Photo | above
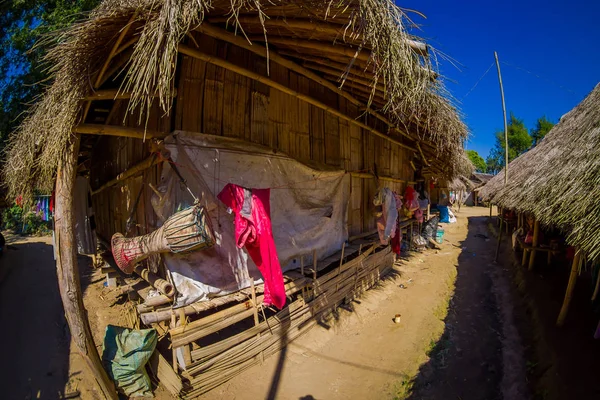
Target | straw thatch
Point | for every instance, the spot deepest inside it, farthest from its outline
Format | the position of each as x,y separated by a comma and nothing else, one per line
457,184
373,31
558,181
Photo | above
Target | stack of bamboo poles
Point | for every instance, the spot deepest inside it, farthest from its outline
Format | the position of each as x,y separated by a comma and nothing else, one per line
310,300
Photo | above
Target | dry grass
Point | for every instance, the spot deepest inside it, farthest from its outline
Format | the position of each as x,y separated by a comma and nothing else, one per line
160,25
558,181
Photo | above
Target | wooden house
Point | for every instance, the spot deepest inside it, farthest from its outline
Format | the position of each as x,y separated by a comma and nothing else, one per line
340,87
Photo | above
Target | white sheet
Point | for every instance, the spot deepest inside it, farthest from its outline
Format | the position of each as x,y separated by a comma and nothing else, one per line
308,210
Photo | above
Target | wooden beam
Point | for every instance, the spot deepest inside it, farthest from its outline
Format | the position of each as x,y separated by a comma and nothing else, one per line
536,236
275,85
113,51
422,156
226,36
141,166
361,87
319,47
332,30
114,130
334,69
114,94
364,175
68,271
255,48
570,288
118,63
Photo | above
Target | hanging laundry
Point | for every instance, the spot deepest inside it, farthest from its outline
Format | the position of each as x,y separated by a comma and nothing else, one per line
386,224
253,229
397,240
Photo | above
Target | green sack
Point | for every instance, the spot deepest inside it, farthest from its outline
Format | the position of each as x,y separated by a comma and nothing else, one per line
125,354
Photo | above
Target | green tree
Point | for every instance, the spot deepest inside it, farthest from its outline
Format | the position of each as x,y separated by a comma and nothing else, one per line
22,72
477,160
542,127
519,142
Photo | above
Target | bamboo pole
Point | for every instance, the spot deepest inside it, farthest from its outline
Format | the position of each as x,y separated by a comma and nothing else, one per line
141,166
505,123
536,235
68,271
256,321
499,240
113,130
113,50
118,63
329,29
160,284
597,288
116,94
282,88
570,288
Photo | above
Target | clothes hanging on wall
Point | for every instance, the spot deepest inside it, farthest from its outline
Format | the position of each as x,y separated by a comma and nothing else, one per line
253,230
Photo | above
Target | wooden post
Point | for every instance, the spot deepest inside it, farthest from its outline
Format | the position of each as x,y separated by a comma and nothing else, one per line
315,265
491,210
256,321
505,124
570,287
525,253
68,271
499,240
534,245
597,288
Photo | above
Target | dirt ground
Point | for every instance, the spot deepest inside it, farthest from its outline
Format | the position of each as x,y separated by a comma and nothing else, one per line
460,335
429,355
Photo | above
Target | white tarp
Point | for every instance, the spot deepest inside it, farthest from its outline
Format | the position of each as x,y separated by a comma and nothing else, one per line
308,210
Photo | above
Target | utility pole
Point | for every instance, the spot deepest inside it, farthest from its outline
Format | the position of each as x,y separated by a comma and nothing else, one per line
505,149
505,124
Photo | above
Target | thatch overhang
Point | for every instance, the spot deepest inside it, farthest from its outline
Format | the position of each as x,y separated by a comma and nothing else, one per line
558,181
127,50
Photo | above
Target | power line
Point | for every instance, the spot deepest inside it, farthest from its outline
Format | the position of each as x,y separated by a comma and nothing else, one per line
540,77
479,80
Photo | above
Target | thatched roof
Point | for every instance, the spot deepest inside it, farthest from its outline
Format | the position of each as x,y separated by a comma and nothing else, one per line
558,181
368,37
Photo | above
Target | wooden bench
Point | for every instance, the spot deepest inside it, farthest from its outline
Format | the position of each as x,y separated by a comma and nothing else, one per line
528,248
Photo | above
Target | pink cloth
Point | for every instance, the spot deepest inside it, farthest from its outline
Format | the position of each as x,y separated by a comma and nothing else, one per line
253,229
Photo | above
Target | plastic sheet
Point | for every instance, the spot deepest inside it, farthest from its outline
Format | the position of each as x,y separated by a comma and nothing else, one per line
125,353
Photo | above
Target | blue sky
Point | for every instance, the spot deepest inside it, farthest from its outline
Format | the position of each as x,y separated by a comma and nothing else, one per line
557,42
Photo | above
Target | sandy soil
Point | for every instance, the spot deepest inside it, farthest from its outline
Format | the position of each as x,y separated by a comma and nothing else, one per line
435,352
364,355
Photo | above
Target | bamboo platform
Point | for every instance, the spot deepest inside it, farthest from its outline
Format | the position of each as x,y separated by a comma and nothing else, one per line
240,333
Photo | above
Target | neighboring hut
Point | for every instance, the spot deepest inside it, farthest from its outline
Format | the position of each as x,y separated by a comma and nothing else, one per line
477,181
333,98
555,186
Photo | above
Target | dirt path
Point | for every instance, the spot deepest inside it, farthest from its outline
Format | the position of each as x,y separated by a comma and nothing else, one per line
364,355
35,338
435,352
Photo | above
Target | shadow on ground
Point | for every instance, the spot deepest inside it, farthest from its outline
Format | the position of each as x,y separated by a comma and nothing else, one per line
466,362
35,341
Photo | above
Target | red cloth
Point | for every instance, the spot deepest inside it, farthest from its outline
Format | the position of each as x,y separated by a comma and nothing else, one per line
256,234
51,206
396,240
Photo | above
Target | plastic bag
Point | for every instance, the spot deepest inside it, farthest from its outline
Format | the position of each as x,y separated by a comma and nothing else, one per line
430,228
444,216
419,241
125,353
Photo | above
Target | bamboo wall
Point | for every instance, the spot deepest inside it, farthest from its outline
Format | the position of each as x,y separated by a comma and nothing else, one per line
215,101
